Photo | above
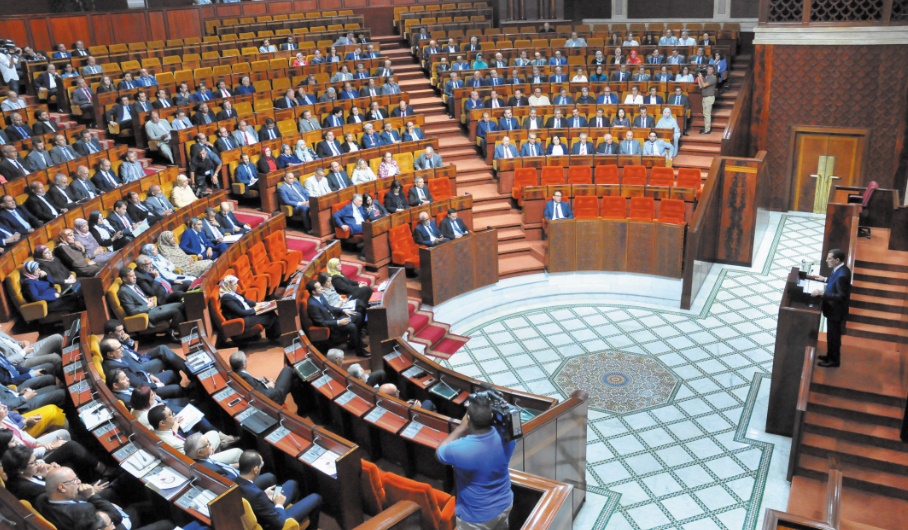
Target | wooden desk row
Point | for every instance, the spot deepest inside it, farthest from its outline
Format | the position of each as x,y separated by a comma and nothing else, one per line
18,187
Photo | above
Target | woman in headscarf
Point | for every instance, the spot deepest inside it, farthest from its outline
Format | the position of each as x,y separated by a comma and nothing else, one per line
345,286
165,267
54,268
334,298
303,152
99,254
362,173
72,254
235,305
287,158
104,233
267,163
394,199
388,167
668,121
182,194
633,58
170,249
37,286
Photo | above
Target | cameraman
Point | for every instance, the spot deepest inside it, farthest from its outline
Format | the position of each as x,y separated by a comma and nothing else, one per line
480,459
9,62
707,86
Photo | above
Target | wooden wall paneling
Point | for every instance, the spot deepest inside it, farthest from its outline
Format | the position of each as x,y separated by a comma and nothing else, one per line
662,9
301,6
381,19
15,29
330,4
182,23
738,213
129,27
69,29
157,25
254,8
41,38
668,257
561,255
641,247
589,243
614,245
462,258
100,30
486,260
228,11
760,114
280,7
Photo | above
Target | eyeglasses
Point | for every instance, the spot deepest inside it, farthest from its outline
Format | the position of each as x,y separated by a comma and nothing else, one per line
76,480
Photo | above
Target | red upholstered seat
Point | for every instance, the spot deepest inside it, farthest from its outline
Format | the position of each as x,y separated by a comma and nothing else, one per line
689,177
404,251
523,176
614,207
580,175
440,188
277,249
371,488
230,329
253,286
671,211
436,507
262,264
662,176
634,176
607,175
552,175
586,207
642,208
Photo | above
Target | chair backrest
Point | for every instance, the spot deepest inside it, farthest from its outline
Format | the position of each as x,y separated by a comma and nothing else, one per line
642,208
399,488
372,489
552,175
607,174
689,177
113,300
614,207
868,193
586,207
248,519
440,188
661,176
580,175
671,211
634,176
526,176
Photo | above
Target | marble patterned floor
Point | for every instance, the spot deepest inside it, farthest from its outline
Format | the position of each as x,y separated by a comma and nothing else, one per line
678,398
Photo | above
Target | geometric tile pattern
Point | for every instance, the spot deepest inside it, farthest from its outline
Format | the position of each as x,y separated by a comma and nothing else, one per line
688,463
618,382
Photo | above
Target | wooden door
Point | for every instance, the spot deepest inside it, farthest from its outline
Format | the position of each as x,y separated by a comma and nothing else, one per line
809,144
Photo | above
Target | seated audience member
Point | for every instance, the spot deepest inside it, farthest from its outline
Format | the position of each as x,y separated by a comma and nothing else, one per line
505,149
269,131
195,243
120,219
13,102
74,255
56,447
388,167
317,184
12,166
104,233
161,100
93,250
36,378
413,133
43,124
329,146
50,81
56,269
349,145
160,131
351,216
38,203
205,172
373,379
30,400
38,158
532,147
23,354
245,135
150,282
630,146
61,197
643,120
419,193
202,94
335,299
182,194
212,227
292,193
235,305
304,152
87,144
556,148
352,289
105,179
269,506
61,152
165,268
428,159
154,360
246,172
18,129
166,383
391,389
274,390
374,210
287,157
170,249
608,146
17,219
143,399
583,146
135,302
555,209
138,211
344,322
163,423
390,135
26,472
453,227
337,177
200,449
394,198
229,221
362,172
427,233
121,113
157,203
180,121
267,163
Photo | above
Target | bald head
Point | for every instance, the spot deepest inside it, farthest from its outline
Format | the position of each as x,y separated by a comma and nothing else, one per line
390,389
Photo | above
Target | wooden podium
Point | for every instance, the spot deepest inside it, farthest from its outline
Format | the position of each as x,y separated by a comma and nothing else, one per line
458,266
798,326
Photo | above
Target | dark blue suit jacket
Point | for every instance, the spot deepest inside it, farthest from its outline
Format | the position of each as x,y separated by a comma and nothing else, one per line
421,233
550,210
268,515
194,243
837,294
344,216
10,221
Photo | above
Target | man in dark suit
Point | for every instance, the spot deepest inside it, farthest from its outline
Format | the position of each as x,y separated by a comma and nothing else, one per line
60,195
203,116
38,203
836,297
582,146
227,111
268,505
138,211
337,177
142,105
419,193
50,81
121,113
518,99
82,188
221,91
149,282
555,209
18,129
43,124
453,227
427,232
162,101
288,101
153,360
195,243
643,120
225,141
274,390
269,131
345,322
229,221
334,119
38,158
12,166
328,147
403,110
114,358
16,218
532,147
202,94
135,302
105,179
87,144
608,146
376,112
119,219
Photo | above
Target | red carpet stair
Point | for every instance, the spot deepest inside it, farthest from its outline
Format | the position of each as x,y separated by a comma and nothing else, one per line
435,336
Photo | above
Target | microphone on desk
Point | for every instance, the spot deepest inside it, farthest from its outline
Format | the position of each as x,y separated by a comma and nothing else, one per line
116,435
290,434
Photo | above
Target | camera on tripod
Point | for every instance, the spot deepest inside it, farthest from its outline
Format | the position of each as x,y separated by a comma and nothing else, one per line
505,417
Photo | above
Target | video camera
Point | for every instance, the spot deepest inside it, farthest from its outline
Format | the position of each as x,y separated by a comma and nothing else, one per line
9,46
505,417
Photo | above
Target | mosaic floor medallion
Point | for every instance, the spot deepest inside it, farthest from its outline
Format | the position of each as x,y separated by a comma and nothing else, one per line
618,382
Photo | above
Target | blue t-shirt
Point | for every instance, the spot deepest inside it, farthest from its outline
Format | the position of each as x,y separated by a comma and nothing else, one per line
481,471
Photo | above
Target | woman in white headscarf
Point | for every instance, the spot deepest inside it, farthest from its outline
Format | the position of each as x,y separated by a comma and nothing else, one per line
668,121
234,305
303,152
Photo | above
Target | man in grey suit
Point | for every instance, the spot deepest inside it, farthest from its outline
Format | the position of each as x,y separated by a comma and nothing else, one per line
419,194
428,160
87,144
91,68
630,146
135,302
390,87
505,149
245,135
308,123
81,187
22,354
62,153
160,131
157,202
131,169
38,159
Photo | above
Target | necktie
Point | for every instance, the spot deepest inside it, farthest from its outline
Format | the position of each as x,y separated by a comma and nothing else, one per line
22,131
582,149
110,179
677,100
66,152
428,166
204,96
224,93
52,209
507,151
138,291
576,122
335,153
206,118
340,182
532,149
91,194
125,221
557,213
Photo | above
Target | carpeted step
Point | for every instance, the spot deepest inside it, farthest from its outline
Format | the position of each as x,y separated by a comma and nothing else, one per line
509,266
307,245
430,334
447,346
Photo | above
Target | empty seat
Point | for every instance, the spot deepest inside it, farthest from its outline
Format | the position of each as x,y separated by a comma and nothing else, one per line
586,207
614,207
404,250
440,188
634,176
642,209
552,175
689,177
662,176
580,175
671,211
277,249
607,175
523,176
436,507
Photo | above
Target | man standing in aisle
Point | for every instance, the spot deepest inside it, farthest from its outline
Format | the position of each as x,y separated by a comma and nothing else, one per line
707,86
835,305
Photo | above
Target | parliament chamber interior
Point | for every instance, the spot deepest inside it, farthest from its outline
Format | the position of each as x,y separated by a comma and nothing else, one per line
414,264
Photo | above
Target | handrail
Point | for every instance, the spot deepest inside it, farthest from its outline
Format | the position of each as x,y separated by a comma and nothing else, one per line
696,229
736,136
801,410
